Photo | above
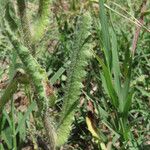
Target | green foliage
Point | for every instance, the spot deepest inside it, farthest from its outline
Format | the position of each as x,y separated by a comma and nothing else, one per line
105,33
39,78
120,93
8,93
115,97
25,26
80,52
20,129
30,63
42,19
36,74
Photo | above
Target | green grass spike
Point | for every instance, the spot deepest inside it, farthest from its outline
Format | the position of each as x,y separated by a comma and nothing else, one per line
80,54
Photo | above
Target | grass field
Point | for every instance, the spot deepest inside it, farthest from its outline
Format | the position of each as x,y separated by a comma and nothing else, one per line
74,75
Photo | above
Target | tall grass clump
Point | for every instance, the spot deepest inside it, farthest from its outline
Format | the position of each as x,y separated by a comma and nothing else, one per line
115,80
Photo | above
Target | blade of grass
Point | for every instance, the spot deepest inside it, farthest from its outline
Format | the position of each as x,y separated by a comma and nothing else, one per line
127,104
2,147
105,33
131,19
13,129
22,132
115,62
8,118
6,136
60,71
125,89
22,121
109,84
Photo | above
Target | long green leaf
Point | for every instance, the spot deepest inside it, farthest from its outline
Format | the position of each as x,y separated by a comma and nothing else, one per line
115,63
109,84
126,87
22,132
105,33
